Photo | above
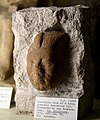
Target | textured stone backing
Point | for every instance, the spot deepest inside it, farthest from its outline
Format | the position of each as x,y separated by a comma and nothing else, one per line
26,24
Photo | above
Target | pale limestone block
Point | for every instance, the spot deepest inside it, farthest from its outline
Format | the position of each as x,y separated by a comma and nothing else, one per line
77,80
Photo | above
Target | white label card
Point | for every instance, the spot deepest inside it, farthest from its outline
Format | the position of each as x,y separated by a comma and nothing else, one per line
56,108
5,97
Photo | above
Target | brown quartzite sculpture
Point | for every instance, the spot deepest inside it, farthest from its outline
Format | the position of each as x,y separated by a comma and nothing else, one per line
46,59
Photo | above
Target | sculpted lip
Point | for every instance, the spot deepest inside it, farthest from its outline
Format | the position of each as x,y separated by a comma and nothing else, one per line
46,60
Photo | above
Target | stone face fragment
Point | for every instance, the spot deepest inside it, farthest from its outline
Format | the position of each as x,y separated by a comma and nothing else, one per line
29,26
46,59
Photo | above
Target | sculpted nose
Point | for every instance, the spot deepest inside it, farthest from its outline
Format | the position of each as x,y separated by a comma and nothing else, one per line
40,70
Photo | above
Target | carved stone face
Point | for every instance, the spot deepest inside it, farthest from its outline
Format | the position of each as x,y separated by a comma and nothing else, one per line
46,60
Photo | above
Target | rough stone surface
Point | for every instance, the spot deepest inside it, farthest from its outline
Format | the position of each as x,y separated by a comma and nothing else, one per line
77,83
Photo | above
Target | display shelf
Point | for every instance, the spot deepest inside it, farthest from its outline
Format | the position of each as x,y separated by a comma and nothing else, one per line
10,114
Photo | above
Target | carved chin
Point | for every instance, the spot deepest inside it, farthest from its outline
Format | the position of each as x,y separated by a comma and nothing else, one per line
41,85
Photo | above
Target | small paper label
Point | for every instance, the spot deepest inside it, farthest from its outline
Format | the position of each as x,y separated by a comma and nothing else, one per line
56,108
5,97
